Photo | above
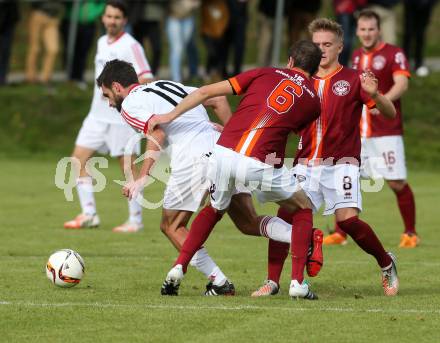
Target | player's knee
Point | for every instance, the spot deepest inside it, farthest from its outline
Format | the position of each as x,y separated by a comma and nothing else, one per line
397,185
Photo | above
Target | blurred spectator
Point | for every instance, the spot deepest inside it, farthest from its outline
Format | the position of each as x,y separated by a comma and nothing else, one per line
300,14
9,17
43,23
417,16
180,29
215,19
235,35
265,26
89,12
345,16
384,8
146,18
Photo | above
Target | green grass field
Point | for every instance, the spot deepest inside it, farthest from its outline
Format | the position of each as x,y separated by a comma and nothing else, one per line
118,299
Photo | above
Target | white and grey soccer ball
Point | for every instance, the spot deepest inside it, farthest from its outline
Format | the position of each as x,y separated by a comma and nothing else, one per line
65,268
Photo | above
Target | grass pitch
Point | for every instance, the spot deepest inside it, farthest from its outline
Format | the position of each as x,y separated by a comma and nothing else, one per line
119,300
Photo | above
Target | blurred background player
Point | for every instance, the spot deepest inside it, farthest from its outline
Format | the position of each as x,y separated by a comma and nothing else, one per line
382,137
328,155
103,129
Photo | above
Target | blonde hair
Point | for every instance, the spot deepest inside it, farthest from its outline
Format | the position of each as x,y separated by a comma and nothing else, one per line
325,24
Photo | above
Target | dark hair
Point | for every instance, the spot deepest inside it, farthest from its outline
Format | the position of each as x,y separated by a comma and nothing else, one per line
120,5
369,14
117,71
306,55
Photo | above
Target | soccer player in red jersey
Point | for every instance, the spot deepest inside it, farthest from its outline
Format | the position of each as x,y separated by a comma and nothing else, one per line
328,155
251,150
383,153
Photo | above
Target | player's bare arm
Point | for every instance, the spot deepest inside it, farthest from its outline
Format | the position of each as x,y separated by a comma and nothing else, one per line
192,100
153,150
399,88
369,84
221,108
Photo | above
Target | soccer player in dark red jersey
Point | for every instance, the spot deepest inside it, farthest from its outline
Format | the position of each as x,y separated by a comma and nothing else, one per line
251,151
328,155
383,154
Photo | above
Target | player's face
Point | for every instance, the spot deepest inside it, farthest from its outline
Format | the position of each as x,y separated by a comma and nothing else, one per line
331,47
113,20
114,100
368,32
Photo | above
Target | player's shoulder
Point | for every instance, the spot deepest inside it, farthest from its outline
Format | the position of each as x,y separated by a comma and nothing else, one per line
134,97
128,39
349,73
102,40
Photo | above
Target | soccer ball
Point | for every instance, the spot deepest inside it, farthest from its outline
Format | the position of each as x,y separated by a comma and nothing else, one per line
65,268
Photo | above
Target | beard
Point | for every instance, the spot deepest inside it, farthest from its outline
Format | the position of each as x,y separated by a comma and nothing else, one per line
118,102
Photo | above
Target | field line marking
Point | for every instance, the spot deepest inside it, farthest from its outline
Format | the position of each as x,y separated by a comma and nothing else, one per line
221,308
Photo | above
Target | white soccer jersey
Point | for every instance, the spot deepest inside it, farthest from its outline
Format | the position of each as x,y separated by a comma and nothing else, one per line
161,97
124,48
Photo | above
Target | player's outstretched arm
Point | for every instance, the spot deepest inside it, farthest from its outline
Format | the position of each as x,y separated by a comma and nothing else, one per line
221,108
153,149
369,84
192,100
399,87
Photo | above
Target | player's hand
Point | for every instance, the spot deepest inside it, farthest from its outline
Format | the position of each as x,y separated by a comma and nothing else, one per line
369,83
217,127
132,188
156,120
374,111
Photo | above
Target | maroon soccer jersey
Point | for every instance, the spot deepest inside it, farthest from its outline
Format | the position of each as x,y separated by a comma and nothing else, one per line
384,61
275,102
335,134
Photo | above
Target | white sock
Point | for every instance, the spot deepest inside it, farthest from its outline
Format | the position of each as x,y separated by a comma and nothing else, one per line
204,263
84,186
135,211
275,228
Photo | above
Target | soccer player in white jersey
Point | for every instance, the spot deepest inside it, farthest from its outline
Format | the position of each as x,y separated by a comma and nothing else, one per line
191,139
103,129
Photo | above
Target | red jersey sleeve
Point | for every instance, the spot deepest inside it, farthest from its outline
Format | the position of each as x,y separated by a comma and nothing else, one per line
400,63
240,82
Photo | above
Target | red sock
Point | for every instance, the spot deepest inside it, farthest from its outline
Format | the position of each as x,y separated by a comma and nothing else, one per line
201,227
367,240
407,207
302,226
339,230
278,251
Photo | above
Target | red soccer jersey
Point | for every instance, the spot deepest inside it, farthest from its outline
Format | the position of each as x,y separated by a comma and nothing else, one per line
384,61
335,134
275,102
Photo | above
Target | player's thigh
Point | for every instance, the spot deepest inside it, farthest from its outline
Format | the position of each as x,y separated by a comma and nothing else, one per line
340,186
309,180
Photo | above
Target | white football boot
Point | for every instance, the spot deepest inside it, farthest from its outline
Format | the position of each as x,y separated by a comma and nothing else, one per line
297,291
172,282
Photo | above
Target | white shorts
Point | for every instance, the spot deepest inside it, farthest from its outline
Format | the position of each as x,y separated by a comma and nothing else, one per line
230,173
337,186
107,138
188,184
383,157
